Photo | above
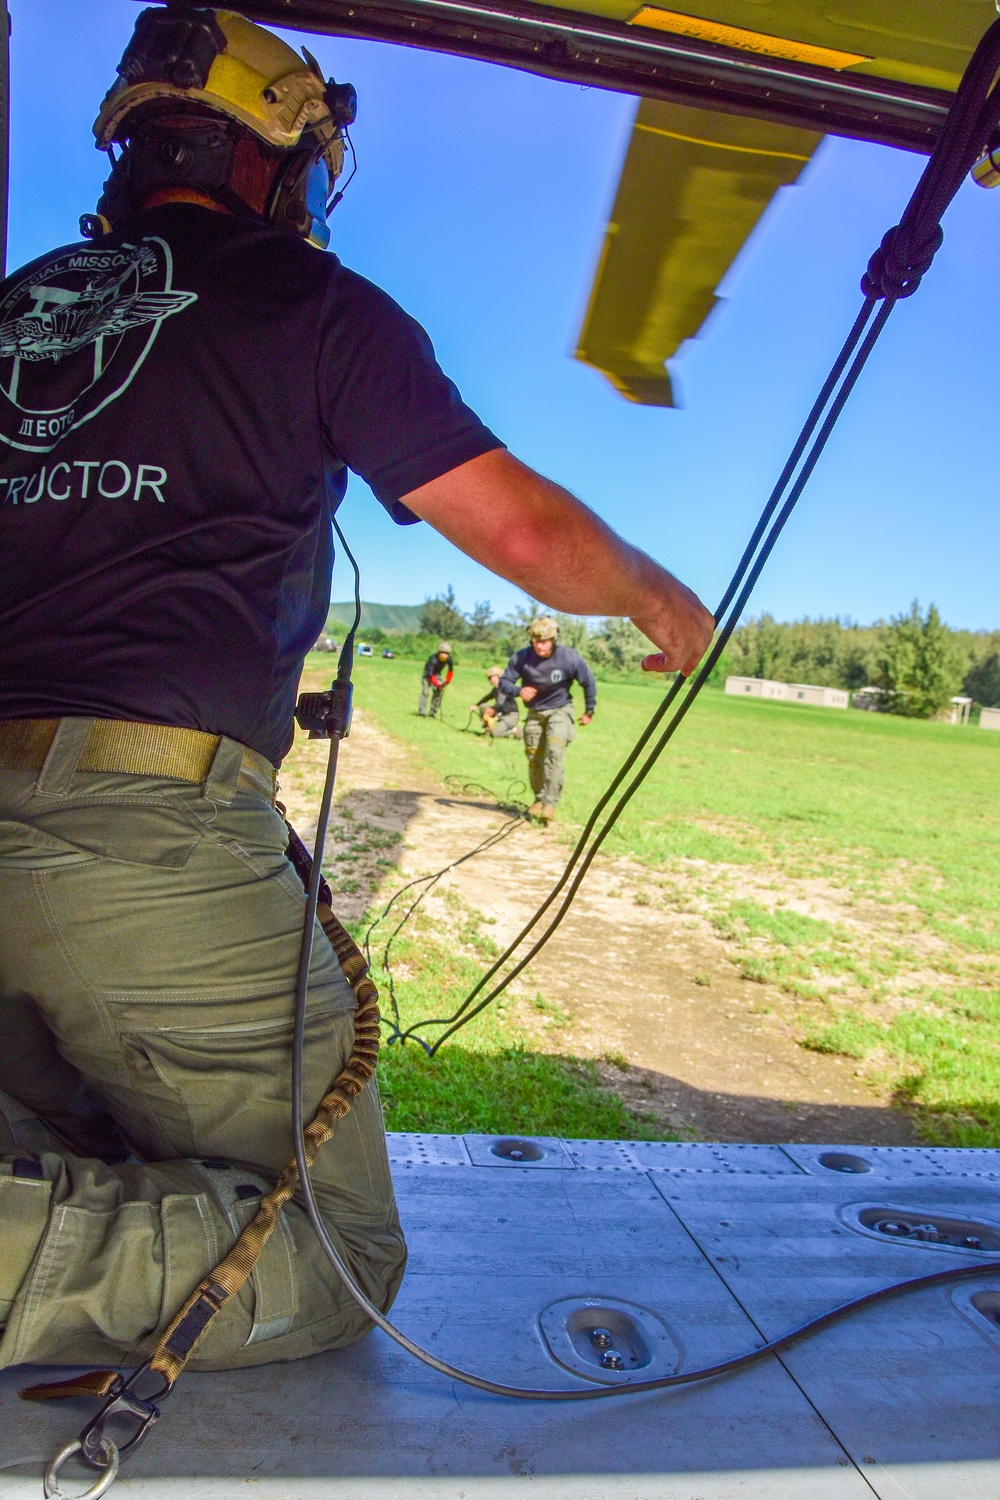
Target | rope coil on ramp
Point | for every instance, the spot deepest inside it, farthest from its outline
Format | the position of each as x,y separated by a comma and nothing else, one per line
517,814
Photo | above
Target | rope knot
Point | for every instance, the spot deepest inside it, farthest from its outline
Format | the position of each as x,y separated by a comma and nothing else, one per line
898,265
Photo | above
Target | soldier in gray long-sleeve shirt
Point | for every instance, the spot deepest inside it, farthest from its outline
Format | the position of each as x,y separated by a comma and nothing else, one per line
546,670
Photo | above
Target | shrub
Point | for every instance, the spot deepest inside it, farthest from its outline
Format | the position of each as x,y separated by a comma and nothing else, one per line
922,664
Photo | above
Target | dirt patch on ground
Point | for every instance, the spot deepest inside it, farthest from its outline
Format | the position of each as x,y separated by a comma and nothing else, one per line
651,994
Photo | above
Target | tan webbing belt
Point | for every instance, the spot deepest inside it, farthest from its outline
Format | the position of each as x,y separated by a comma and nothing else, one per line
133,749
181,1338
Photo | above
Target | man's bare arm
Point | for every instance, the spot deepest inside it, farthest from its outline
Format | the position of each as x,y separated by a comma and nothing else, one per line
536,534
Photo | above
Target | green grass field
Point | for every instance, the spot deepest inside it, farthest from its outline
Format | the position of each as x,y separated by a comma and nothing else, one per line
885,829
494,1080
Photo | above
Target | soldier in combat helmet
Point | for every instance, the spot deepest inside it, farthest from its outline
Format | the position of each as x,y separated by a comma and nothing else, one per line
546,670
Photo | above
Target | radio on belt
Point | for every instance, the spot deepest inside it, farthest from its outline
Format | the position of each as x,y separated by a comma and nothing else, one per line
328,714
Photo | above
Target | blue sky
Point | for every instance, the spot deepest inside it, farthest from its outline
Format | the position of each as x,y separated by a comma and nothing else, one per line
480,204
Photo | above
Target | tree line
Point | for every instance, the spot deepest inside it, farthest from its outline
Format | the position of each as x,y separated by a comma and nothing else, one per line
612,646
915,659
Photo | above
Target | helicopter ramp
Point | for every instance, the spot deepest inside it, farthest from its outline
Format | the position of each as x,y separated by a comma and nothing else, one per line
555,1263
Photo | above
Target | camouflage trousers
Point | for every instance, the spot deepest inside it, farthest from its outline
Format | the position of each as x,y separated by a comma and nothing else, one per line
147,960
546,735
435,694
500,725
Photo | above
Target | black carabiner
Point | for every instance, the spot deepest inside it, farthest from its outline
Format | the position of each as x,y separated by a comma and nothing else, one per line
122,1401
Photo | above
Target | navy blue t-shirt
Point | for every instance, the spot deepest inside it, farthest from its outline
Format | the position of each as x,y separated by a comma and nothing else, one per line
179,405
551,677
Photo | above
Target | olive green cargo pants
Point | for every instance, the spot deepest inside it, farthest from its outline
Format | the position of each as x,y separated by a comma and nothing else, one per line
546,735
148,951
499,726
503,725
434,694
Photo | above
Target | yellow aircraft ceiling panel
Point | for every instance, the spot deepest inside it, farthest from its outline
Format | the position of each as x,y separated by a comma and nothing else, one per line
762,42
694,184
923,42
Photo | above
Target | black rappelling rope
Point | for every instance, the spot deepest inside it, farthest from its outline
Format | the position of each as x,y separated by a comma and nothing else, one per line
894,272
453,1023
428,883
746,575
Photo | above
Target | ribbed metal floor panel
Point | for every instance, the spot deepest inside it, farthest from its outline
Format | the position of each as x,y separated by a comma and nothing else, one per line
720,1246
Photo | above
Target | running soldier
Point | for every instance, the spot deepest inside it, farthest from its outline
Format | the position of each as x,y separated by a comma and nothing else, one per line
439,669
546,670
497,710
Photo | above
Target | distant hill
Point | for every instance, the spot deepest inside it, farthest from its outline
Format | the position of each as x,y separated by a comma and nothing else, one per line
389,617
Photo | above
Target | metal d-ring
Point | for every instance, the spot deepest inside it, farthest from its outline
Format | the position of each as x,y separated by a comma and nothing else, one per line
98,1488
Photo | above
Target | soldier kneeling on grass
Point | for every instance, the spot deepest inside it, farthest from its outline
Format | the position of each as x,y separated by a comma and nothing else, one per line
497,710
546,671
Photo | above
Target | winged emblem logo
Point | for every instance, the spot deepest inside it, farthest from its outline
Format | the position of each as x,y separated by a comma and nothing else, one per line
63,320
75,328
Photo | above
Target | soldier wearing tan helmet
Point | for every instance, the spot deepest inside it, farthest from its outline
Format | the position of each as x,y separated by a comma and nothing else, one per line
194,381
546,671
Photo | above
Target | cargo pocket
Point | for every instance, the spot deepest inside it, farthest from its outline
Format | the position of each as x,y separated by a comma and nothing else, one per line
94,1288
130,832
275,1290
23,847
265,1307
225,1091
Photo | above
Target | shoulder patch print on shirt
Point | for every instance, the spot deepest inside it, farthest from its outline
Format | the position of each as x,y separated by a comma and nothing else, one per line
73,333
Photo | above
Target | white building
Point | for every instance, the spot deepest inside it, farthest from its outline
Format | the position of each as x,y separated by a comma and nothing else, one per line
786,692
825,697
959,711
757,687
989,718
